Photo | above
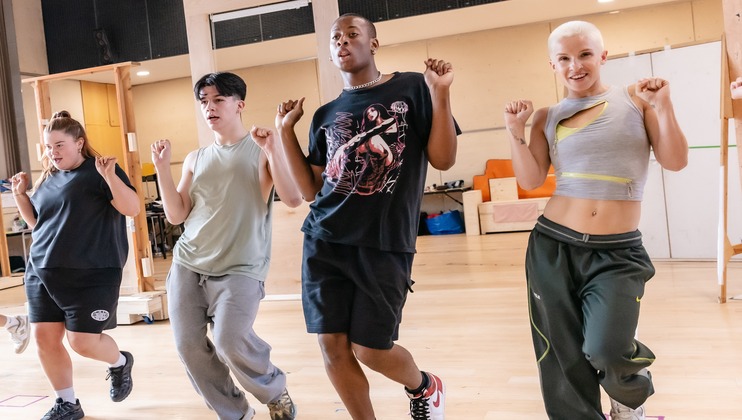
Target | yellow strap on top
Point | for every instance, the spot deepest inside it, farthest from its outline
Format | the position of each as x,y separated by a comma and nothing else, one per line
563,132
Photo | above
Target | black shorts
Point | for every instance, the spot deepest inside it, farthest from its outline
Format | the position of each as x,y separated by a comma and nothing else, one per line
355,290
84,299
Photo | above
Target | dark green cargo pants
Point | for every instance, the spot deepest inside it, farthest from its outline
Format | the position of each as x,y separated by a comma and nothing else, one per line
584,298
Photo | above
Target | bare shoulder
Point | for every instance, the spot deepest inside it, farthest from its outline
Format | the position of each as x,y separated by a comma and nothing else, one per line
539,117
638,101
190,161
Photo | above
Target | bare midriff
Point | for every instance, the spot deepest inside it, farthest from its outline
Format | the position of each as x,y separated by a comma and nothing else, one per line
595,217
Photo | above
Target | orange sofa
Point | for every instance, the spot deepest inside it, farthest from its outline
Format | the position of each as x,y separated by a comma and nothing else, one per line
503,168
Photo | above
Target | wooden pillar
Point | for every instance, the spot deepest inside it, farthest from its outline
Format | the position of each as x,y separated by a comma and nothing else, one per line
329,79
731,69
43,108
4,254
201,56
132,164
733,33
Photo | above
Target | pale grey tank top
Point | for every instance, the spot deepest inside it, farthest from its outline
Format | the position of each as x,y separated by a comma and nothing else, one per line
608,158
228,230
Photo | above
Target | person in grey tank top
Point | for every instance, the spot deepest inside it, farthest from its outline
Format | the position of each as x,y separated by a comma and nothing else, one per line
586,266
224,200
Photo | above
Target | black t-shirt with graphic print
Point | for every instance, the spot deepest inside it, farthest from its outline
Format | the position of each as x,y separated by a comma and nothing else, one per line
76,225
372,144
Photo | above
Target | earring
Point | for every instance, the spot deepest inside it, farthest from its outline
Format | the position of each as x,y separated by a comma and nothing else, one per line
373,52
330,58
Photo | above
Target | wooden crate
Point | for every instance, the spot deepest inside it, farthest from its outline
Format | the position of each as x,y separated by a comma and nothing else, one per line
510,215
135,307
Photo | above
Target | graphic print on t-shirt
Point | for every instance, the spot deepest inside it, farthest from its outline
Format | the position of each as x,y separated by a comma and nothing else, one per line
364,157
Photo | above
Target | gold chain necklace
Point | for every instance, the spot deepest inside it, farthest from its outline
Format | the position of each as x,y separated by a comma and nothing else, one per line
365,85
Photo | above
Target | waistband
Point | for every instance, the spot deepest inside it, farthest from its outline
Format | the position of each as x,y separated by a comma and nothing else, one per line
573,237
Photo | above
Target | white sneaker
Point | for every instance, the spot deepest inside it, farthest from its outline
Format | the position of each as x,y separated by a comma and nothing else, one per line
20,334
430,403
249,415
622,412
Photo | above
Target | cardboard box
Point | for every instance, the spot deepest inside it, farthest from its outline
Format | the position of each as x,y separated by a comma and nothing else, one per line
503,189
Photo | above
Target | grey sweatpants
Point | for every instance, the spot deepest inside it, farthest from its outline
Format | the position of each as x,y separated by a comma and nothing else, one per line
229,303
584,297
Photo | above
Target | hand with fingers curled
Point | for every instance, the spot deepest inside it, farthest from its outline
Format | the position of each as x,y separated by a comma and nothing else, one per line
518,112
106,166
19,183
161,153
653,90
289,113
263,137
438,73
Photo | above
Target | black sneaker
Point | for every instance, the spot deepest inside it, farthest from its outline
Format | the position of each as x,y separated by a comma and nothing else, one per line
64,410
121,383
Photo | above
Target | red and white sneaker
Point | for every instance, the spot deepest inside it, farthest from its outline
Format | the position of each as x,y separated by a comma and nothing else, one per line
429,404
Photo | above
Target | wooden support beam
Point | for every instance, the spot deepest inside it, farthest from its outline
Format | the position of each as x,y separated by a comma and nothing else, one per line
731,69
132,165
4,254
330,81
76,74
43,109
201,57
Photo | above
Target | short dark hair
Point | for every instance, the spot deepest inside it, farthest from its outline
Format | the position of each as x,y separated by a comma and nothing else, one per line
227,84
371,26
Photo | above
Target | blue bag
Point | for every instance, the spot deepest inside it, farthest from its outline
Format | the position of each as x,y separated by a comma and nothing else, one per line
445,223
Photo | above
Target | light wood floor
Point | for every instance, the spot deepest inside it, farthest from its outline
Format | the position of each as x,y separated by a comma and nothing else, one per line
467,321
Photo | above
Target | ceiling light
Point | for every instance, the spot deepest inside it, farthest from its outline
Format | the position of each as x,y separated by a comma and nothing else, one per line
143,73
605,1
260,10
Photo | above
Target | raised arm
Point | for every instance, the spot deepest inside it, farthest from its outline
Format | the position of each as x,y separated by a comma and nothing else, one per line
667,139
274,167
307,177
442,143
175,201
530,160
19,186
125,199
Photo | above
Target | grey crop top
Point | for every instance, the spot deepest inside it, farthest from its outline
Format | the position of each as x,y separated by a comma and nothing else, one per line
608,158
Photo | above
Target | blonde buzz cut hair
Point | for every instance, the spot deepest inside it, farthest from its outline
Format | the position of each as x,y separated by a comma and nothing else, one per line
575,28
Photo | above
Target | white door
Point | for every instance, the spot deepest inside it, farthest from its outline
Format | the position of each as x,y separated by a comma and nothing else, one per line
653,224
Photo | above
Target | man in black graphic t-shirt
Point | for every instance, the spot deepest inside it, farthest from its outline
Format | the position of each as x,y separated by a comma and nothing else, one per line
368,155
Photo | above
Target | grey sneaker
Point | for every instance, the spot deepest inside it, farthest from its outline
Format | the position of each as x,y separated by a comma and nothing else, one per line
20,334
64,410
282,408
121,382
622,412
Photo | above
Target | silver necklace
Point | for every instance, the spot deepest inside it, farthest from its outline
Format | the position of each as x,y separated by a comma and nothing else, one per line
365,85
